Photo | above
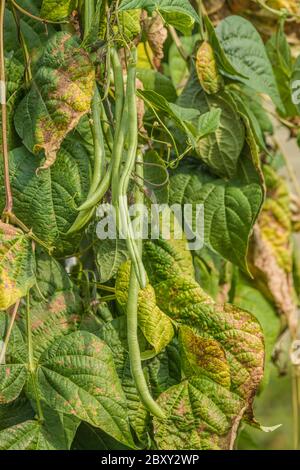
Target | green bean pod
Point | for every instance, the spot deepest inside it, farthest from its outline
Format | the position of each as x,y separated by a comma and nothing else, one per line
132,327
124,222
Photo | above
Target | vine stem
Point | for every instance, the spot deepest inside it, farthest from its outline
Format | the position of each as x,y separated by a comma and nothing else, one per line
178,43
201,11
8,192
28,72
31,363
9,330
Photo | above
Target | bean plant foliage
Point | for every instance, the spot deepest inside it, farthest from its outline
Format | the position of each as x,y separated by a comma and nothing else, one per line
132,342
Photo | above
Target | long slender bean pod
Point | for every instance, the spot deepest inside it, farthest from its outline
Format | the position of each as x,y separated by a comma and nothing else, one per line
100,191
121,122
132,329
98,140
125,225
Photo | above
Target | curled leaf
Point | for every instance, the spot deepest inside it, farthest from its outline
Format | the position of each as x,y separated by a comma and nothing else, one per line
270,256
207,70
157,35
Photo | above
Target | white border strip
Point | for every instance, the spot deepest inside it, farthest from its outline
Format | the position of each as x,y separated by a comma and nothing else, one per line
2,92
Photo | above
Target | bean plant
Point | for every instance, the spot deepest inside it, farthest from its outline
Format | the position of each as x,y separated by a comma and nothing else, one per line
134,340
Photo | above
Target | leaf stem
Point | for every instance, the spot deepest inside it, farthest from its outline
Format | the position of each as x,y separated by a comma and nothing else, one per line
278,13
28,73
31,363
178,43
8,192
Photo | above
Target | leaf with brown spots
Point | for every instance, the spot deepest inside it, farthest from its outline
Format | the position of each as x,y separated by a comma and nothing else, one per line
200,414
77,376
60,95
225,351
17,265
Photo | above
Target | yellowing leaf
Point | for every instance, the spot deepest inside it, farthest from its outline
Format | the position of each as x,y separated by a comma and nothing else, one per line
60,95
270,256
236,331
145,55
56,10
16,265
206,66
203,356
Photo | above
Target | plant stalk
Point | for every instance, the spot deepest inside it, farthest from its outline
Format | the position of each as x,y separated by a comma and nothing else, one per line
8,192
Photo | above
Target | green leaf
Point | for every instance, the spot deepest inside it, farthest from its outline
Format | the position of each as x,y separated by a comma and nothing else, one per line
14,71
230,207
13,372
109,255
155,325
221,149
207,266
17,264
15,412
60,95
47,202
129,24
75,376
246,52
153,80
33,32
56,10
178,13
279,53
244,104
32,435
222,61
181,21
208,123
